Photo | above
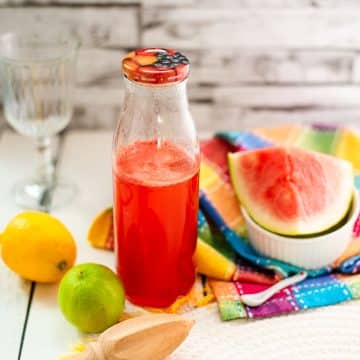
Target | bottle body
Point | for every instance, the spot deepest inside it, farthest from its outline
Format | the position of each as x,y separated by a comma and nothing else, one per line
156,185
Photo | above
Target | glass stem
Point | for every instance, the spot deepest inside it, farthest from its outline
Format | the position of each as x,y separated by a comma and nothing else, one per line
46,169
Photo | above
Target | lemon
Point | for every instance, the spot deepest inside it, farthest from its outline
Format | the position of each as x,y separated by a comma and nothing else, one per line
38,247
101,234
91,297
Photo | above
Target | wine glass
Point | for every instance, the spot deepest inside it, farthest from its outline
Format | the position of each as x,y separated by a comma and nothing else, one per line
38,78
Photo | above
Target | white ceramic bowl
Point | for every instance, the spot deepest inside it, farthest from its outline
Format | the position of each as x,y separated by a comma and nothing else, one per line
308,253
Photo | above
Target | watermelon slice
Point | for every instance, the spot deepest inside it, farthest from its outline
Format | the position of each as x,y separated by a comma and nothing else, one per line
292,191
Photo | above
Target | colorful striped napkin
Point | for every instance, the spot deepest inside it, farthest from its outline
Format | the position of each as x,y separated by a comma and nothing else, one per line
223,253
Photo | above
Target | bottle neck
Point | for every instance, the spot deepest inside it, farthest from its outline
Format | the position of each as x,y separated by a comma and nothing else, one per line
170,95
158,113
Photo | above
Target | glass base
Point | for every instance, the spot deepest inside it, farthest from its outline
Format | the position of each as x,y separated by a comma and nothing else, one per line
32,194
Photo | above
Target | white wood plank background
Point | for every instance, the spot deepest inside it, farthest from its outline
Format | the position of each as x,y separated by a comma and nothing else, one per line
278,55
242,28
87,23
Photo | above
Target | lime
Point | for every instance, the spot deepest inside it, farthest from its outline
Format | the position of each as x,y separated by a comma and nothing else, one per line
91,297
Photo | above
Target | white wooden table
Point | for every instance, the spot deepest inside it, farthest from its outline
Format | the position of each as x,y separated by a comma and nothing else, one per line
33,328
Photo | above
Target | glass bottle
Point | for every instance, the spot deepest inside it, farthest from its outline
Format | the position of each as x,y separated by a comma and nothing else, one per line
155,179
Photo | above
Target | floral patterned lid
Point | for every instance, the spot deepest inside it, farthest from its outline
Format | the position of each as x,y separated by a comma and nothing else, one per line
155,66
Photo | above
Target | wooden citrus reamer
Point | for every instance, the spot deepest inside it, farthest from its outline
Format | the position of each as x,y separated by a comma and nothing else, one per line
152,337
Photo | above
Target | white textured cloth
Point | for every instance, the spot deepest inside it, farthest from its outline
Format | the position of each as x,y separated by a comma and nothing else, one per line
323,333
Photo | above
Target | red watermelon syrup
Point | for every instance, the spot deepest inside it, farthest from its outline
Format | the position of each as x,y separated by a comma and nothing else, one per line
155,180
156,205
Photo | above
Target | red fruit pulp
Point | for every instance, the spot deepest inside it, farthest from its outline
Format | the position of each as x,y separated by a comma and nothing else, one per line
155,215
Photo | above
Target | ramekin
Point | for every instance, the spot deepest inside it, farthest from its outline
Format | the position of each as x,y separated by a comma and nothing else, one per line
308,253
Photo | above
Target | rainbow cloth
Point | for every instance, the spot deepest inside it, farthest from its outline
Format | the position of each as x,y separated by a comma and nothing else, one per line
223,253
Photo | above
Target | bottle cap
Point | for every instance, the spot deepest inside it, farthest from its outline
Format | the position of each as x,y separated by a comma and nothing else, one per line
155,66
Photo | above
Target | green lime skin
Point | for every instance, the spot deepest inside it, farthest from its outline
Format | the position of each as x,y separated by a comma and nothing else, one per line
91,297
